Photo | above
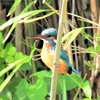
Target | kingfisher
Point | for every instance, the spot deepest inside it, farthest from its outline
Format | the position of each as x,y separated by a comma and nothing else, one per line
48,51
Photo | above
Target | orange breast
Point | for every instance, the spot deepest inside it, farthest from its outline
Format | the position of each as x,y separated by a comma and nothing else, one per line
47,57
62,67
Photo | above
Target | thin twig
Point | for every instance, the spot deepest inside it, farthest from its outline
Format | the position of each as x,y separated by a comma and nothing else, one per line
76,58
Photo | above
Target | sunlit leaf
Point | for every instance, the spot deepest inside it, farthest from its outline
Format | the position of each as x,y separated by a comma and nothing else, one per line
93,55
10,66
18,65
11,51
90,48
19,55
19,17
27,20
8,46
3,97
1,37
89,64
13,7
86,99
10,31
64,89
87,89
38,91
43,73
27,7
72,81
22,89
9,59
98,48
70,36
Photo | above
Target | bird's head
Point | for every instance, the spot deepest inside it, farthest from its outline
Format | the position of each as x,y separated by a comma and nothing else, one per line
47,34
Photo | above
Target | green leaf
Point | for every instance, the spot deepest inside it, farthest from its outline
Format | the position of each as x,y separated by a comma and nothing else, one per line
1,47
15,97
93,54
98,48
2,54
32,53
90,48
2,66
39,64
96,36
49,1
2,21
89,64
87,89
18,55
21,90
69,37
14,83
9,59
10,31
18,65
25,66
72,81
1,80
27,7
64,89
8,46
86,99
38,91
86,35
27,20
43,73
11,51
13,7
26,91
19,17
47,80
3,97
1,37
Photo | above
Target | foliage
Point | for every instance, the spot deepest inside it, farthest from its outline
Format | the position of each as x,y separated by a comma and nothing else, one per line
11,62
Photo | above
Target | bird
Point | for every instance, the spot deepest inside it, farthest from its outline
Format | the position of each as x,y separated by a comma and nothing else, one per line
48,50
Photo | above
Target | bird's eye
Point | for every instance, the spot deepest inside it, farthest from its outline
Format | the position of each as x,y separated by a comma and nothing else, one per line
45,36
49,35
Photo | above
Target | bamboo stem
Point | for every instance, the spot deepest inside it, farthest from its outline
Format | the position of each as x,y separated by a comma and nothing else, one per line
18,34
57,52
94,15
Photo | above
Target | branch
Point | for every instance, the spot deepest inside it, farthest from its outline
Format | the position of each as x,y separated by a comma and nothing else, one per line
57,51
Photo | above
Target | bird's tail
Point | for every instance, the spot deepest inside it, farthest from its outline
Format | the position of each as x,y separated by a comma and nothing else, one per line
74,70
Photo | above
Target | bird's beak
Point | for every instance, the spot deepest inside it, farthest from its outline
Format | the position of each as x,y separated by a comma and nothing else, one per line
38,37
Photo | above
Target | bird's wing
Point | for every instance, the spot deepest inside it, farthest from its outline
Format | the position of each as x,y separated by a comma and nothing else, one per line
63,55
65,58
